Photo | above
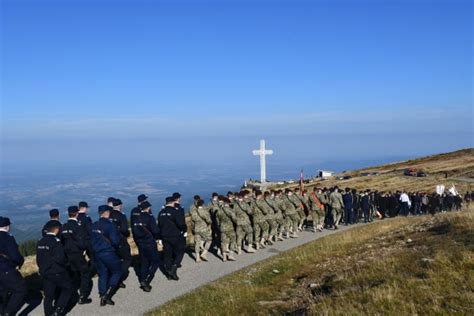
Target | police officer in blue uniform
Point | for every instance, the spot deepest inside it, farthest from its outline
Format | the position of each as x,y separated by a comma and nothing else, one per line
145,233
52,263
105,240
124,252
348,200
135,212
53,216
74,240
173,229
12,284
86,223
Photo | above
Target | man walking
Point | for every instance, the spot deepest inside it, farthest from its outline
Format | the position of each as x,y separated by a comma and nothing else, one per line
52,263
337,205
173,232
145,232
105,240
13,286
74,240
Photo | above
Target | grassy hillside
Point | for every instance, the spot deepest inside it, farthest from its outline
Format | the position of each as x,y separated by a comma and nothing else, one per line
458,166
403,266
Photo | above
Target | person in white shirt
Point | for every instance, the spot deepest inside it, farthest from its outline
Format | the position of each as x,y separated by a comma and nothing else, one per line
406,204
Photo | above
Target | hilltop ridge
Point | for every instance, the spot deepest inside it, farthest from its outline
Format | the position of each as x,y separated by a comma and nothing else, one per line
450,168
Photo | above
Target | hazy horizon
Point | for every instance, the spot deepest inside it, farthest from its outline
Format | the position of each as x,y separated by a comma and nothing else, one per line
107,97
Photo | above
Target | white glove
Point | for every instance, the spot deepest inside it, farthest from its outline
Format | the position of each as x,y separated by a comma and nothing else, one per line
185,234
160,242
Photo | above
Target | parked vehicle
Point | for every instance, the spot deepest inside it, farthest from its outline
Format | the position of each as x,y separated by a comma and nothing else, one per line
410,172
421,174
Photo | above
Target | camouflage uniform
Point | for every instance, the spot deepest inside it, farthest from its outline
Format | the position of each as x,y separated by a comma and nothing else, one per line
302,205
263,205
278,219
324,198
244,229
280,203
260,225
337,206
291,212
201,223
316,208
226,220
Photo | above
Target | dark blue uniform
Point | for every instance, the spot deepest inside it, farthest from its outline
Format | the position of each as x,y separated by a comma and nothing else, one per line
145,233
75,243
52,262
44,231
348,207
86,223
365,205
172,227
105,239
12,283
123,251
134,214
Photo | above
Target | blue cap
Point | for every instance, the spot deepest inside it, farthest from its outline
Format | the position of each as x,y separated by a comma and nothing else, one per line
104,208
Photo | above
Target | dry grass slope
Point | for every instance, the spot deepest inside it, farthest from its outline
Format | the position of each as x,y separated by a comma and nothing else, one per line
403,266
458,166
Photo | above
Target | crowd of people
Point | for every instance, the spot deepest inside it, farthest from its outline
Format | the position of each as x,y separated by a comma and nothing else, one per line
70,253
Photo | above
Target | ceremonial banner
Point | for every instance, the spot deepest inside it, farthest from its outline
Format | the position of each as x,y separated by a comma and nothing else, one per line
453,190
440,189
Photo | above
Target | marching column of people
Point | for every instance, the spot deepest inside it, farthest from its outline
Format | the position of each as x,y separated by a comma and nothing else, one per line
69,255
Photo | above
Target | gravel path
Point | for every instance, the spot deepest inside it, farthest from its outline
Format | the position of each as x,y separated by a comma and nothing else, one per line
133,301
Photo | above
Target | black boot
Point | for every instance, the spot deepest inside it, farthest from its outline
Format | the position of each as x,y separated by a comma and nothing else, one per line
145,286
107,298
84,300
58,312
173,272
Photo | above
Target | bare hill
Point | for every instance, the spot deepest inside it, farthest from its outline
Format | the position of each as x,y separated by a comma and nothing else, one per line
449,168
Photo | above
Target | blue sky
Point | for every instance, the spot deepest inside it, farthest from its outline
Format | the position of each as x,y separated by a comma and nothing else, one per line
205,80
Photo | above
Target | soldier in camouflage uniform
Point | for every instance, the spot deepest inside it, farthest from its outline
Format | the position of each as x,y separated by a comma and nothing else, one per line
201,224
337,205
226,220
269,217
244,229
277,222
280,200
260,225
316,208
291,212
302,198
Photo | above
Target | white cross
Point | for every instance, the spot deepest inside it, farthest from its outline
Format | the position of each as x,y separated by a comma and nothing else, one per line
262,152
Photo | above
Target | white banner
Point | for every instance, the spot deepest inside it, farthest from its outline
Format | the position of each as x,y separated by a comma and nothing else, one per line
440,189
453,190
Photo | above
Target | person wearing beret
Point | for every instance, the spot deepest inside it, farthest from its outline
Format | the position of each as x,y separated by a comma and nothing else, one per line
11,280
74,240
145,233
52,264
105,240
124,252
